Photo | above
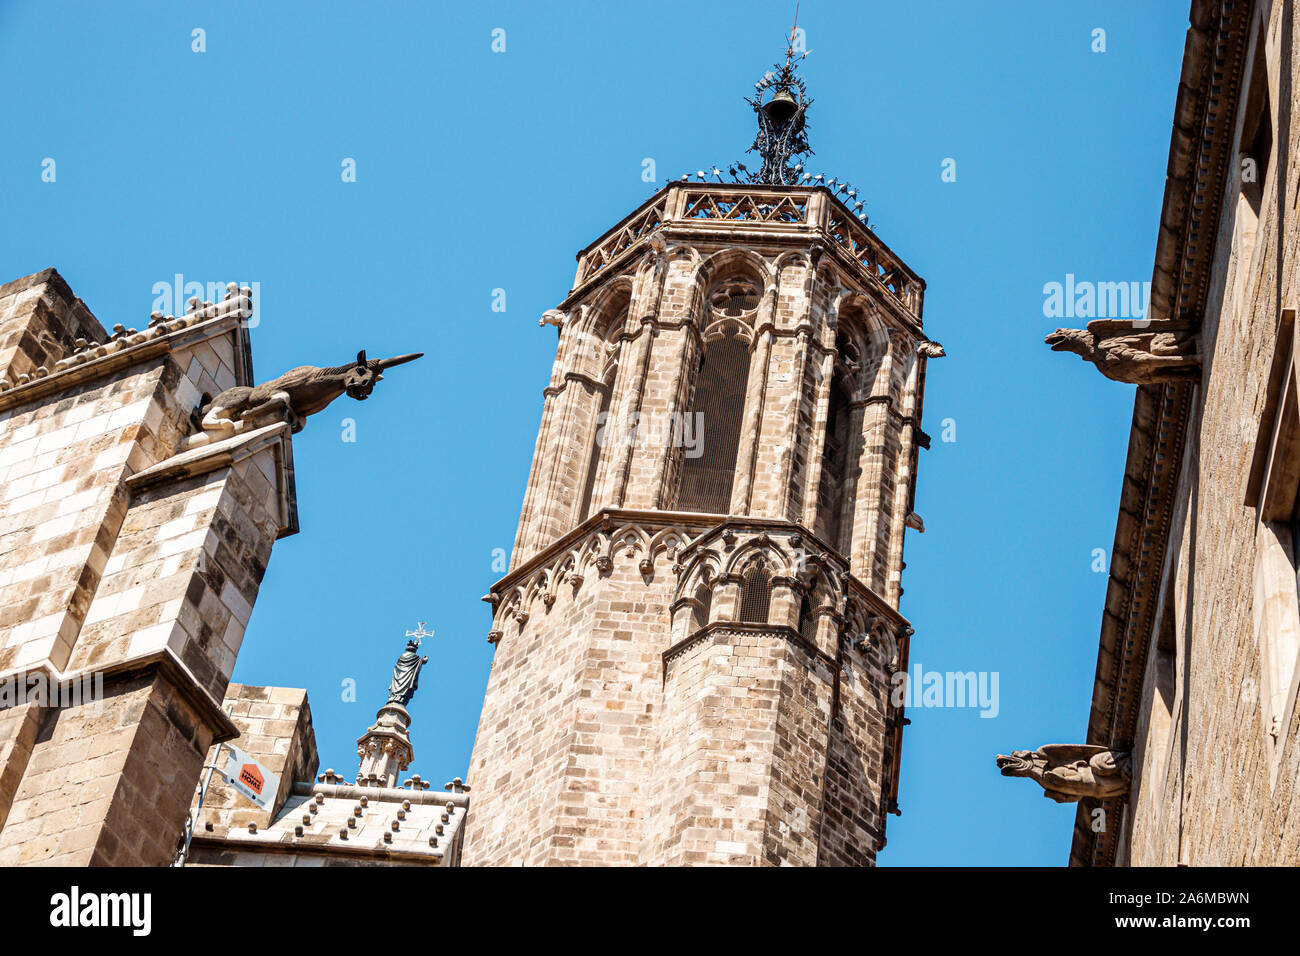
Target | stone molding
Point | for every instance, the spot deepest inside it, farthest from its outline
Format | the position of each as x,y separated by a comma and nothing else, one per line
592,546
739,627
128,347
165,662
1199,159
222,454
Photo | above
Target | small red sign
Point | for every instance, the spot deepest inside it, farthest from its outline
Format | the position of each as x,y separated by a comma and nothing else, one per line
252,778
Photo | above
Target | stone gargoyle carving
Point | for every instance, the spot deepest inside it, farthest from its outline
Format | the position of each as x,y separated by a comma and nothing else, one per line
1134,351
293,396
1069,772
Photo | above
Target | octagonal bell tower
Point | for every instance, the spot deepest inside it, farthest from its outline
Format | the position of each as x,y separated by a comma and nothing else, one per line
696,635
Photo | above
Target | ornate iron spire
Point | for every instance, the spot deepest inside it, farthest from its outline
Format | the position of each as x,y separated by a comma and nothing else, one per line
780,101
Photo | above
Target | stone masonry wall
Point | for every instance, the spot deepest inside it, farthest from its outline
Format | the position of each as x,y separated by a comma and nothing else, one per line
147,584
108,782
853,825
744,718
1207,793
275,728
590,749
566,732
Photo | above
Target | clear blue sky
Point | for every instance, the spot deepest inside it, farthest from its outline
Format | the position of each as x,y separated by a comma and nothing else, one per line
478,170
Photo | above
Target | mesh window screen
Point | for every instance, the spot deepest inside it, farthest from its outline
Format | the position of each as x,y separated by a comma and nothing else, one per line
593,461
755,595
703,604
830,493
807,623
720,400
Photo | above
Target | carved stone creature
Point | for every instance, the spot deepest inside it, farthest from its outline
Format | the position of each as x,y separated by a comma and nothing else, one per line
293,396
1069,772
1147,354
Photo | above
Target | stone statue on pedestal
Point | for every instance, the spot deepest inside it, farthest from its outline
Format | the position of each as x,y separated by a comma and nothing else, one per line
406,675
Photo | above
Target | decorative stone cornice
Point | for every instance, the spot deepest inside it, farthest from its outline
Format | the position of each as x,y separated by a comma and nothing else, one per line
755,215
127,347
348,791
735,627
163,662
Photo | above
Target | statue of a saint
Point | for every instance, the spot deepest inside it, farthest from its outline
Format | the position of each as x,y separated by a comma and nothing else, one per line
406,675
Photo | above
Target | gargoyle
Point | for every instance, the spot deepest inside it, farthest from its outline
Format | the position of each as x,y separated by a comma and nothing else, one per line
1069,772
1154,352
293,396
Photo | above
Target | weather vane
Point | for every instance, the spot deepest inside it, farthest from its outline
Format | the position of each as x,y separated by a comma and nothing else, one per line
419,633
794,30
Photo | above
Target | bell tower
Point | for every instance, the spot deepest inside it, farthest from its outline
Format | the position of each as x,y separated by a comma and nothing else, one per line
698,628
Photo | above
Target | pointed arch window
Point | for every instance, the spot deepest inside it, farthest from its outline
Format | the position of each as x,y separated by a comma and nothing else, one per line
718,402
807,620
834,505
603,363
755,594
703,605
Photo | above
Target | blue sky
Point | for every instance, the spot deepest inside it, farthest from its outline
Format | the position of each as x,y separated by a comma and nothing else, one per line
479,170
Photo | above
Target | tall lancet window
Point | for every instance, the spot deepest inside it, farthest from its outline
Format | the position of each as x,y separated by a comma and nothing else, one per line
703,606
718,404
755,593
834,506
600,361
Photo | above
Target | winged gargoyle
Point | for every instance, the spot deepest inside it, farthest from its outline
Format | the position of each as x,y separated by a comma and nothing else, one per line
293,396
1069,772
1149,353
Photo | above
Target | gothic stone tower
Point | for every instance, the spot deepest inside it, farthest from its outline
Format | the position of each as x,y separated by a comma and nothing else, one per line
695,638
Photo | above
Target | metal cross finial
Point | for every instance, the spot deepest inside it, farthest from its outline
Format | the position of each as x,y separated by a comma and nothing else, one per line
419,633
789,50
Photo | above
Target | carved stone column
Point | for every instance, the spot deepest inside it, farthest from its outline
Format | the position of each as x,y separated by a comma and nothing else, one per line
385,749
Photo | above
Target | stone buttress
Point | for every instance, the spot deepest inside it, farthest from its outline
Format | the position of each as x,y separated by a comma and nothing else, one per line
127,572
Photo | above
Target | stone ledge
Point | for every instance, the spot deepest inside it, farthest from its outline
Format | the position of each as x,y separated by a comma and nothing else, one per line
167,664
772,630
222,454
